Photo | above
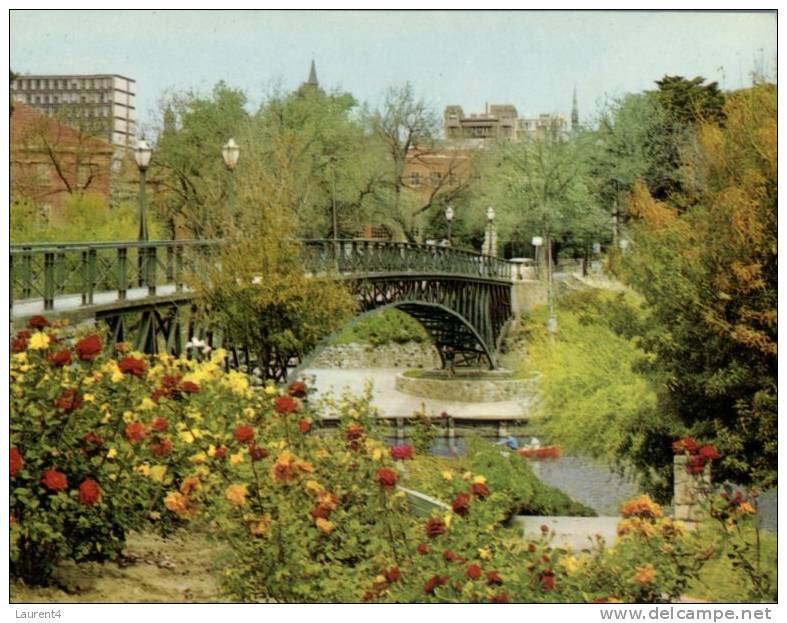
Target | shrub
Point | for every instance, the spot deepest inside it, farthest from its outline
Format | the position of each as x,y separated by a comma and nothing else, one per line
388,326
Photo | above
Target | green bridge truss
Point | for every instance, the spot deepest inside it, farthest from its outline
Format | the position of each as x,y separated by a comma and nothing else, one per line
139,292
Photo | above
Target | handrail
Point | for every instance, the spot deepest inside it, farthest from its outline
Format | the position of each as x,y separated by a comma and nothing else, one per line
50,269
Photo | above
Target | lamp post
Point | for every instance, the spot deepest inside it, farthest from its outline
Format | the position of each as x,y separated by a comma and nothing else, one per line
537,241
552,322
142,153
230,152
449,216
490,235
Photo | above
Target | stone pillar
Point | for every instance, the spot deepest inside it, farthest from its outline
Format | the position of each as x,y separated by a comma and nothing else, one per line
490,239
689,492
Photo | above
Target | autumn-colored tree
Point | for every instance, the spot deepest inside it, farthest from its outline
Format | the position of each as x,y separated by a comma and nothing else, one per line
709,275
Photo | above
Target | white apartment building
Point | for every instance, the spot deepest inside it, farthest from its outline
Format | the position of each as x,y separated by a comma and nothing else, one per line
101,100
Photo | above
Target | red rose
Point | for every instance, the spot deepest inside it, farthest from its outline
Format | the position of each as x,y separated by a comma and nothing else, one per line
93,439
89,492
353,432
500,598
171,381
531,548
221,453
435,527
132,365
162,447
480,490
709,452
387,477
160,424
37,322
297,389
69,400
244,434
448,555
685,444
493,578
473,572
401,453
320,512
393,574
304,426
423,548
60,358
88,348
160,392
434,582
19,343
135,432
16,461
547,579
285,405
461,504
189,387
257,452
54,480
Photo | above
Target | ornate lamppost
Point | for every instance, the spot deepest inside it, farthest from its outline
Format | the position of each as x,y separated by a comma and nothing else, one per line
142,153
449,216
490,234
230,152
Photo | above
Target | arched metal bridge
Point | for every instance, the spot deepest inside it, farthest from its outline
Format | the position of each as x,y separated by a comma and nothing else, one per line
138,290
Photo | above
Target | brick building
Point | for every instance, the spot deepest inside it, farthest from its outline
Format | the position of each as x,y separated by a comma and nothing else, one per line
50,160
500,122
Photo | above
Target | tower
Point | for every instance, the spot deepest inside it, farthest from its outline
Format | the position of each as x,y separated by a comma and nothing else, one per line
574,111
312,81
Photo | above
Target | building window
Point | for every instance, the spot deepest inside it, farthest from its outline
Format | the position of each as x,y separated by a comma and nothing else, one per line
415,178
435,177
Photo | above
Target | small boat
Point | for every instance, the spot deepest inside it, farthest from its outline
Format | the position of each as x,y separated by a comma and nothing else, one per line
540,452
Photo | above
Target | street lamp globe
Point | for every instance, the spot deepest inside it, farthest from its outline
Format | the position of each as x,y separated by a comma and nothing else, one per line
230,152
490,214
142,154
537,241
449,214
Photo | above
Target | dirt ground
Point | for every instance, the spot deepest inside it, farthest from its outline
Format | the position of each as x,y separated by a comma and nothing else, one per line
177,569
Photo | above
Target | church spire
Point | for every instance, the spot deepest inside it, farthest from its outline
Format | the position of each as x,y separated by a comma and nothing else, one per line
574,111
313,76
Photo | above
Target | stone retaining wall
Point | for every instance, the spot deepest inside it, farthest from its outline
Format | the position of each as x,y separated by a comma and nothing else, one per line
689,491
407,355
456,389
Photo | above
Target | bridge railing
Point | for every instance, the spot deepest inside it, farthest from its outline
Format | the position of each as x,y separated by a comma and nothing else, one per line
49,270
372,256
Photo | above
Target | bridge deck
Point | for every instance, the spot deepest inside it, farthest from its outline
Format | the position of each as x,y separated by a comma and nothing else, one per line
70,305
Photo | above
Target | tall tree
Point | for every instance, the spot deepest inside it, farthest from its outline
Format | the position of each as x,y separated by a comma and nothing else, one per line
707,266
403,124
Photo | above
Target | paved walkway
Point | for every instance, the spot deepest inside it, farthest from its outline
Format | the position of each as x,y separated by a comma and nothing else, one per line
73,302
576,533
393,403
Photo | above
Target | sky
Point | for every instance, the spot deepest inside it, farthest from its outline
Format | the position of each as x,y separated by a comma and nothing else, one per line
530,59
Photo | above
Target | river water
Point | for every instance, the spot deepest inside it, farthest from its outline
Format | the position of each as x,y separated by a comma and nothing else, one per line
582,478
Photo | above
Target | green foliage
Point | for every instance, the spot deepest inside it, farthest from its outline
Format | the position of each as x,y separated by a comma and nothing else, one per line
592,399
82,217
389,326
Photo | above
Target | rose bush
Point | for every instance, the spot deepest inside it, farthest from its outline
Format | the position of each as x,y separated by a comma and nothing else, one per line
101,446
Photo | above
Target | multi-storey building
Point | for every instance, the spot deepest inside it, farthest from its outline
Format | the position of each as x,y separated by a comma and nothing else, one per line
104,103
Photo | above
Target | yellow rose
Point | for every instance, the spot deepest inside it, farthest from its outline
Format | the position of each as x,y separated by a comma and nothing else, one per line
200,457
236,458
249,413
143,469
89,398
186,436
744,508
377,455
128,417
157,472
313,486
112,453
479,480
644,574
270,390
38,341
211,450
147,404
324,525
447,475
236,494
